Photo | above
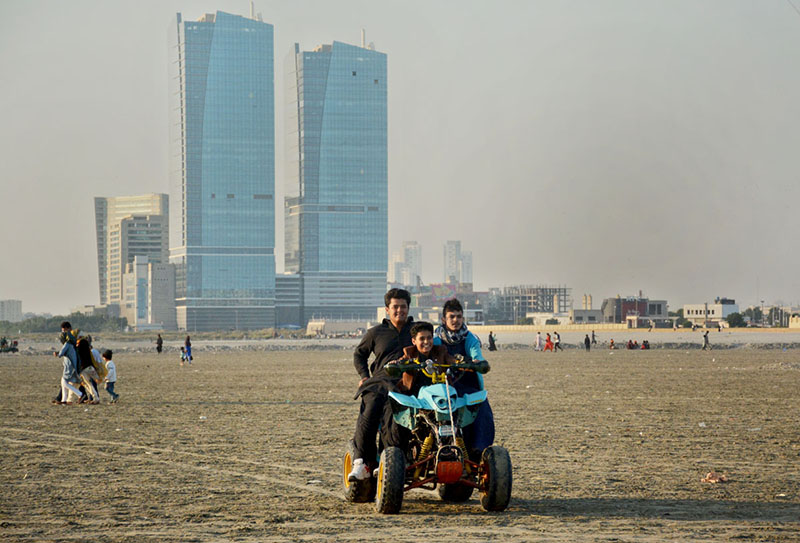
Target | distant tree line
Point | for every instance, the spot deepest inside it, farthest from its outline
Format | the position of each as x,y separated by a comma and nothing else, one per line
94,323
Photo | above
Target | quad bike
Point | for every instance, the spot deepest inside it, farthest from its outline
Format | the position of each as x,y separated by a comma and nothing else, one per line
437,457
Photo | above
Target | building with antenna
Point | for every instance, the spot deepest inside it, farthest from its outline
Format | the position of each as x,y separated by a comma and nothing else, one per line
336,216
222,217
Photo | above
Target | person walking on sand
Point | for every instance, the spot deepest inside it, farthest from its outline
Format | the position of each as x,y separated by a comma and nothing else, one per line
492,344
187,347
537,344
587,342
557,343
594,338
548,344
69,376
159,344
111,375
706,344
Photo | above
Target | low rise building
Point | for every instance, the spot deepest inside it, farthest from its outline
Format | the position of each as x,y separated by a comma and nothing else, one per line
585,316
636,311
710,314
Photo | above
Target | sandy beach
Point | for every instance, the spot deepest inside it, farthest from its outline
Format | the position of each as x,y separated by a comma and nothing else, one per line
246,446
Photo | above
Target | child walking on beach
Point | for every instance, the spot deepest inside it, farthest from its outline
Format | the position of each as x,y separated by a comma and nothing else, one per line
111,376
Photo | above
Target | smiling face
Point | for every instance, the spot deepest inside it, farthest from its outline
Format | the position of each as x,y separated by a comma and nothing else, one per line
454,320
397,311
423,341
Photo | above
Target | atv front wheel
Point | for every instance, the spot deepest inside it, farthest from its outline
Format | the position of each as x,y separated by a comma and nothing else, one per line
355,491
495,476
391,479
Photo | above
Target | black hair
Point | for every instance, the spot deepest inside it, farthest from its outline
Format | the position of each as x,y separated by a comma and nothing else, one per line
66,325
452,305
421,326
107,354
397,293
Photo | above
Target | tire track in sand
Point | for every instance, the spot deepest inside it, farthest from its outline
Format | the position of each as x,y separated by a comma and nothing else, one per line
209,469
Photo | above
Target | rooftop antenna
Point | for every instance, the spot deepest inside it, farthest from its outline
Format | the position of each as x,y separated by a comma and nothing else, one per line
252,10
363,38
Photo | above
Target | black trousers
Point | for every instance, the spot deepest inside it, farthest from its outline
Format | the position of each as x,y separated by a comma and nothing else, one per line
367,425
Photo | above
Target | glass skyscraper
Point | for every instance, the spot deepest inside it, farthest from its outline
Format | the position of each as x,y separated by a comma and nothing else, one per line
223,173
336,195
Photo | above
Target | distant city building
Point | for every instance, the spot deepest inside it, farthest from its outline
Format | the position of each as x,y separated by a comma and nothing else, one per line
585,316
710,313
108,212
11,310
287,300
452,261
222,235
465,267
336,214
513,304
405,267
396,267
131,237
637,311
148,295
412,257
432,298
457,263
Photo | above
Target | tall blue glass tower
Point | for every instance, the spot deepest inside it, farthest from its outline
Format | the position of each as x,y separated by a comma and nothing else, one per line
336,196
222,235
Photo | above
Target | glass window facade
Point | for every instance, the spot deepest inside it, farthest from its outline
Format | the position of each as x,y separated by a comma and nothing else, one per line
224,238
336,207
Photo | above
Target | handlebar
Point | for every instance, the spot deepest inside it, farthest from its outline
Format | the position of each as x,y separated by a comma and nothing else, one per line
395,369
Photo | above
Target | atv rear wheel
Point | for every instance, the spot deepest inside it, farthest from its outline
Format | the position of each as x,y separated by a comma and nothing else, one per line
455,492
391,479
495,475
355,491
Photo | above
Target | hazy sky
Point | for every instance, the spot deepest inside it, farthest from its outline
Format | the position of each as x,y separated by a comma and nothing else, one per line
611,146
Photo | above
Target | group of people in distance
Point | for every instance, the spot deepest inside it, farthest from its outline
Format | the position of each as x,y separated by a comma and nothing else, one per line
398,338
84,368
632,345
551,344
186,349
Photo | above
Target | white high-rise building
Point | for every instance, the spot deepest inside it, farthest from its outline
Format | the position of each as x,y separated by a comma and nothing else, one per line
412,258
457,263
109,213
148,294
396,267
452,256
465,267
11,310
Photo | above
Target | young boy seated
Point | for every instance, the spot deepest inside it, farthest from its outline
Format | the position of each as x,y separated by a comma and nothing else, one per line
421,350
